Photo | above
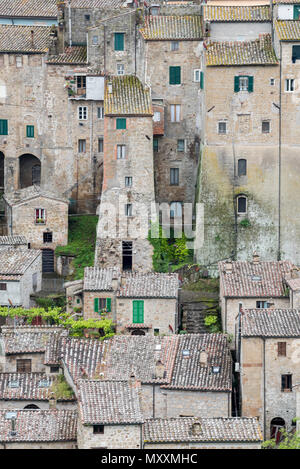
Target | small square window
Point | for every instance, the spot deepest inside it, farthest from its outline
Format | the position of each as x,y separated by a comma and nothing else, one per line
120,69
54,369
48,237
128,210
180,145
222,128
98,429
87,17
81,146
265,127
272,81
174,45
128,181
3,286
121,123
82,113
100,145
30,131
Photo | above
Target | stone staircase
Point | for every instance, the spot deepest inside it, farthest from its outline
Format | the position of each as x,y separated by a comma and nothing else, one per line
193,315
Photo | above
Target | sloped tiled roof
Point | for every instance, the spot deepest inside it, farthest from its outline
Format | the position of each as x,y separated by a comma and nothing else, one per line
39,425
134,285
249,279
159,28
271,323
94,4
12,240
189,374
28,8
257,52
237,13
29,339
72,55
31,192
128,97
237,429
288,30
19,39
108,402
16,261
28,387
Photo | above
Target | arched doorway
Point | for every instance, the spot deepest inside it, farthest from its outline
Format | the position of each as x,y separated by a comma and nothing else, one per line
29,170
31,407
276,425
138,332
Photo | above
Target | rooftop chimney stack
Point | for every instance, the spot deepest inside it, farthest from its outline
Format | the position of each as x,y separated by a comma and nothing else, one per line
255,258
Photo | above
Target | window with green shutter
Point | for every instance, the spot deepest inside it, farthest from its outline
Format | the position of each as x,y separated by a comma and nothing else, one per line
175,75
30,131
119,41
138,311
102,303
155,144
201,80
108,305
243,83
296,12
96,305
3,127
121,123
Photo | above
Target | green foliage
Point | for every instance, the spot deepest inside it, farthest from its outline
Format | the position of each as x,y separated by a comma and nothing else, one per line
168,250
245,223
58,317
61,389
82,241
212,322
49,302
288,441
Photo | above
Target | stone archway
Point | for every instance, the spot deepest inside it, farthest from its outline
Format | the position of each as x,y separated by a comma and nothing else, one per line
138,332
29,170
276,425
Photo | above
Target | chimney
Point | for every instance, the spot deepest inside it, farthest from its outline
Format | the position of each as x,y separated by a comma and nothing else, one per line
115,283
196,427
294,272
13,427
203,358
52,401
255,258
228,266
133,382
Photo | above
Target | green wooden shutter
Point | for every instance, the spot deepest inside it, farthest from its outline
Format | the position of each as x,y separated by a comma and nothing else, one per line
296,12
135,312
119,41
138,312
175,75
3,127
236,84
201,80
30,131
108,304
250,84
141,312
96,305
121,123
155,144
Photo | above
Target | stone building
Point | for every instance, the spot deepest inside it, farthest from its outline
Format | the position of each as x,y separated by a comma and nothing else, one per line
269,367
20,275
256,284
202,433
29,12
137,303
38,429
109,415
128,177
42,217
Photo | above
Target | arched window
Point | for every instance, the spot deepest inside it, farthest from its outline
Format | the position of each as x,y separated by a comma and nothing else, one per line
31,407
241,204
242,167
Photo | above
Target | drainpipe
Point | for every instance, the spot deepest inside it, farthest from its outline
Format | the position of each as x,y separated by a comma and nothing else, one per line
153,402
264,368
279,161
70,24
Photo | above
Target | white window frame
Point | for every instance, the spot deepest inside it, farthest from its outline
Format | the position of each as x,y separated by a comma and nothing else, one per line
41,216
175,110
100,112
121,152
197,75
225,123
174,46
128,179
181,140
82,113
174,207
272,81
120,69
128,210
243,83
289,83
81,145
156,116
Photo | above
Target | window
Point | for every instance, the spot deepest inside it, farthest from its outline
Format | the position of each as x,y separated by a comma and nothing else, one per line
242,167
3,127
174,75
100,112
128,210
48,237
222,128
120,69
265,127
174,45
3,286
30,131
243,83
176,209
241,204
272,81
99,429
155,144
82,113
119,41
87,17
19,61
180,144
81,82
289,84
95,40
197,75
127,255
102,303
262,304
54,369
138,311
286,383
281,349
121,152
40,215
100,145
154,10
174,176
121,123
175,112
156,116
128,181
81,146
34,281
296,12
23,366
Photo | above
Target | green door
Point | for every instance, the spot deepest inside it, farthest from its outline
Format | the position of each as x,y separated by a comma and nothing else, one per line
138,311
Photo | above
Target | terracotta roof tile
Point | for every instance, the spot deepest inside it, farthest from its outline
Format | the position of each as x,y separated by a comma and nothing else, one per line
31,192
128,97
202,429
271,323
108,402
12,240
257,52
16,261
160,28
237,13
39,425
94,4
249,279
288,30
19,39
28,8
71,55
29,339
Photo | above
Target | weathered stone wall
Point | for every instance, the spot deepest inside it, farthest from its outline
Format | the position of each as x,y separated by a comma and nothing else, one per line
37,362
114,436
27,281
